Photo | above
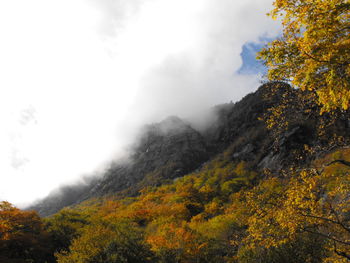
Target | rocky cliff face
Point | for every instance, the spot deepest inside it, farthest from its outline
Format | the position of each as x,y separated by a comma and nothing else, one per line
306,135
172,148
164,151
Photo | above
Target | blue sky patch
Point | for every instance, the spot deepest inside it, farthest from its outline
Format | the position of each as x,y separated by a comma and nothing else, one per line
250,64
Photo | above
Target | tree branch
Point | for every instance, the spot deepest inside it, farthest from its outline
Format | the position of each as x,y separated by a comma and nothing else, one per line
339,161
337,217
329,220
327,236
340,253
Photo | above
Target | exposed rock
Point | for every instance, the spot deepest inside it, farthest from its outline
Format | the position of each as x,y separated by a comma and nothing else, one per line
166,150
248,149
172,148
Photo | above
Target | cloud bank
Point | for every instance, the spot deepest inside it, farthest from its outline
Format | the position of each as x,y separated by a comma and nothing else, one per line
80,77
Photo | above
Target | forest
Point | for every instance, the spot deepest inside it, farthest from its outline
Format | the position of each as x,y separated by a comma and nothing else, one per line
234,207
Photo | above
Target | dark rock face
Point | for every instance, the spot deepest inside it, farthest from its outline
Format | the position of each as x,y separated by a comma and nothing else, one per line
63,197
166,150
172,148
240,129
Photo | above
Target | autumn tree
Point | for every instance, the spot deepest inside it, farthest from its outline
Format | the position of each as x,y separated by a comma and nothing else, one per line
305,248
22,236
65,226
314,50
105,241
314,202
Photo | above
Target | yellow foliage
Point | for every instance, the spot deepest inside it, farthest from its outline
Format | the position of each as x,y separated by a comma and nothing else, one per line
314,201
314,51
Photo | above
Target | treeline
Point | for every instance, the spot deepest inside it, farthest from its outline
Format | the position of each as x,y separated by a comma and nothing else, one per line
228,211
224,213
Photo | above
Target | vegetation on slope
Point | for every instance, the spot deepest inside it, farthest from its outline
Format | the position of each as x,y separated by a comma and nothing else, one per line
223,213
230,210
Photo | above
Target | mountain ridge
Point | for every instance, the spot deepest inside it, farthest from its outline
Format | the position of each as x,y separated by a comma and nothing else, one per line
172,148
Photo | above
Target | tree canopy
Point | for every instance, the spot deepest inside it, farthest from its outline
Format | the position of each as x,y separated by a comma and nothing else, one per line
313,52
22,236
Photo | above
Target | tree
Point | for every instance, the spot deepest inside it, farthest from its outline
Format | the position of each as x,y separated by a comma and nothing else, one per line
314,202
22,236
314,50
103,241
65,226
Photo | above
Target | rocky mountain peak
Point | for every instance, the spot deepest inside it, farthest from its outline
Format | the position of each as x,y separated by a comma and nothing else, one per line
172,148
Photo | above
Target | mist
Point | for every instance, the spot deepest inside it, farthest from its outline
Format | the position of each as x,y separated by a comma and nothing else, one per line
80,79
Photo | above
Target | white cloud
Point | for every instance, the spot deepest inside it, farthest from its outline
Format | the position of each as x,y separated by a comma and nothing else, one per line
78,77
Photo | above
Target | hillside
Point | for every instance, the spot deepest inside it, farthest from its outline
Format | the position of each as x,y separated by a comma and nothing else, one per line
172,148
268,181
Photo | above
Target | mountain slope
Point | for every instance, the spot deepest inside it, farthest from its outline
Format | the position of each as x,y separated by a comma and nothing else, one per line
172,148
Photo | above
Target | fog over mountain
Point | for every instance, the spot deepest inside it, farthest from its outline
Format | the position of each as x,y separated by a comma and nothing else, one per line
79,78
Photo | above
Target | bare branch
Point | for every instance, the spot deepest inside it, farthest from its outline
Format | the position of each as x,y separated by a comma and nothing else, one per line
328,220
327,236
339,161
338,218
340,253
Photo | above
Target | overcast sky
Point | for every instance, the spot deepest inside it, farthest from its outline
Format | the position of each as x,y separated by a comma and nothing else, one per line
77,77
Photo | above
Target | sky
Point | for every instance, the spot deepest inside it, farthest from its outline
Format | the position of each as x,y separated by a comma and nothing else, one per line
78,78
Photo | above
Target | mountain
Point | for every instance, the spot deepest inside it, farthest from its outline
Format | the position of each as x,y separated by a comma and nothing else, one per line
172,148
165,150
